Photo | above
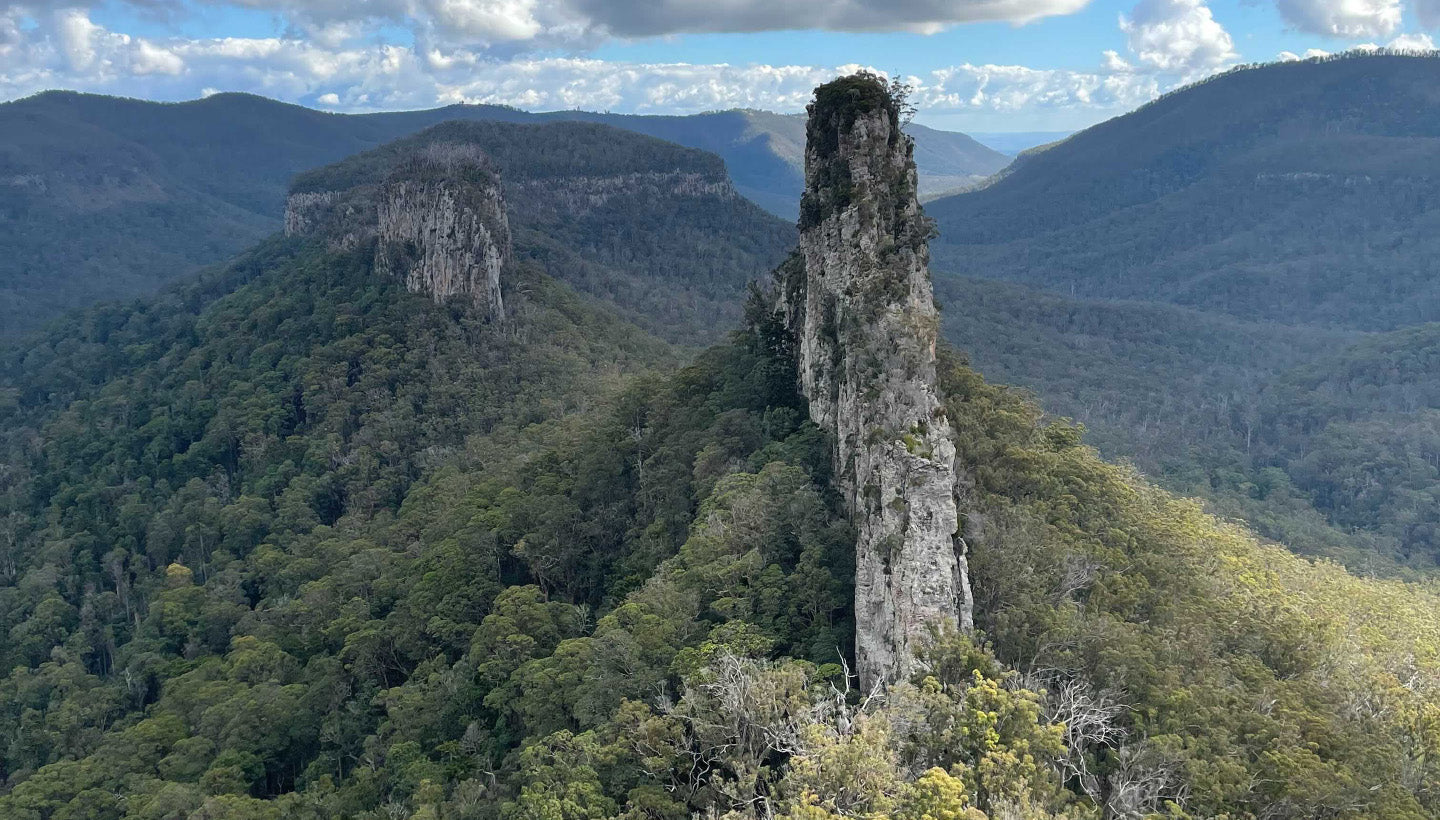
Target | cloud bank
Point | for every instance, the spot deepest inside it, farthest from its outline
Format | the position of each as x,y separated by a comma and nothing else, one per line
65,48
1352,19
549,22
532,54
1178,36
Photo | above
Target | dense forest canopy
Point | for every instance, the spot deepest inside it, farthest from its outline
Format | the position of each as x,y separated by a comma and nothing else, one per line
251,578
289,541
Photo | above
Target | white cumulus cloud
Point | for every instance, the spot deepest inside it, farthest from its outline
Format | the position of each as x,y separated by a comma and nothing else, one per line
1412,42
1351,19
149,58
1178,36
1167,42
1290,56
1010,88
67,43
68,49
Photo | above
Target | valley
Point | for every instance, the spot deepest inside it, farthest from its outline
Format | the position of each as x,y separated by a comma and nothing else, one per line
1204,279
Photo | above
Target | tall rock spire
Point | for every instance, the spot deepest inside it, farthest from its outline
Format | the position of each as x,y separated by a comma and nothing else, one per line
865,323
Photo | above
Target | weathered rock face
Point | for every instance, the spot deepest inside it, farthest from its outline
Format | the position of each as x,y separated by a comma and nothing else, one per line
865,323
438,222
443,228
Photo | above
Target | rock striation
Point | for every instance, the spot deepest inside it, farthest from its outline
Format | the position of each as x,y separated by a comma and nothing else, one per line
865,324
438,222
443,227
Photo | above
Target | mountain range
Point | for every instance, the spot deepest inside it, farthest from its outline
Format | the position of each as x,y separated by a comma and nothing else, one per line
1195,255
1233,287
105,198
1294,193
1013,143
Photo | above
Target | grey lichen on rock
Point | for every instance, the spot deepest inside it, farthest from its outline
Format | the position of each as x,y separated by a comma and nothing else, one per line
437,221
866,327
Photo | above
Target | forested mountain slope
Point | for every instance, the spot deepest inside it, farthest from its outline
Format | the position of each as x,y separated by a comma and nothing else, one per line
1358,431
764,151
103,197
1178,393
1294,192
704,243
294,542
655,230
1255,229
1322,439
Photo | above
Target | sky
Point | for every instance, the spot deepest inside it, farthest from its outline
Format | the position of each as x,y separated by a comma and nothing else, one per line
976,65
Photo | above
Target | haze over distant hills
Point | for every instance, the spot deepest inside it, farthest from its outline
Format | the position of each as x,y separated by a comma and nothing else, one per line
104,197
1011,143
1296,192
1212,272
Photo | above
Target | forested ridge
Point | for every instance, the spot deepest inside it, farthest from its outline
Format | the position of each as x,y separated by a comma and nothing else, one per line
109,198
1208,285
1294,192
652,228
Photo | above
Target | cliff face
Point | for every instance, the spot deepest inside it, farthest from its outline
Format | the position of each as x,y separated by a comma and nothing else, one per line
438,222
442,226
650,227
865,324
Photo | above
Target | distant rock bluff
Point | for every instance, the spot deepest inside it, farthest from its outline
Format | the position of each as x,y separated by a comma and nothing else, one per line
437,221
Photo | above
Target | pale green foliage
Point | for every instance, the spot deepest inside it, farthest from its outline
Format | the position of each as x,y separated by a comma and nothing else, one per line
757,738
